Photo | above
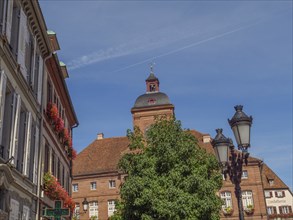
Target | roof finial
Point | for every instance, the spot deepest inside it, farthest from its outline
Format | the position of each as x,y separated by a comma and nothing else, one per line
152,64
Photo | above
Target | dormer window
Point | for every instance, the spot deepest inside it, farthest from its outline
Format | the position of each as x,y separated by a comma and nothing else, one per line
152,101
271,182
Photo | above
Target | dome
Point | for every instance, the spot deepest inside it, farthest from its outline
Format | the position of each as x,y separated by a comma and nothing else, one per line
152,99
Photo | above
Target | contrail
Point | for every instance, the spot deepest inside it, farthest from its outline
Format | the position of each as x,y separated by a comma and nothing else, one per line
187,46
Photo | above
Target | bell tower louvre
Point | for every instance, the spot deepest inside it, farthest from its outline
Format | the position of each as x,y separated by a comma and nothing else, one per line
150,105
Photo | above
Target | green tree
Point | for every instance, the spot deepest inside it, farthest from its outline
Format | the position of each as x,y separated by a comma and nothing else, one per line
169,176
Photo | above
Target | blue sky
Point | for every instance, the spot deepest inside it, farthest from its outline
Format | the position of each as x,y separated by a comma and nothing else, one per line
209,55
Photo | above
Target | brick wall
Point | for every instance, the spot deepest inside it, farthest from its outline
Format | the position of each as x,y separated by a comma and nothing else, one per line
101,194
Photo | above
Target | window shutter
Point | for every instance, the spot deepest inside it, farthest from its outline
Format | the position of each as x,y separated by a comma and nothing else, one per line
16,101
9,19
276,194
40,81
36,157
271,194
290,209
3,79
275,210
280,210
283,193
22,41
27,144
2,14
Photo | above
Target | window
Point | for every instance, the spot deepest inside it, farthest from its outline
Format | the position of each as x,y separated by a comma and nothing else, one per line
26,213
2,16
15,30
75,187
14,210
272,210
268,194
227,199
112,184
271,182
53,163
285,209
93,209
3,80
247,198
49,92
46,162
244,174
76,211
93,185
279,194
111,207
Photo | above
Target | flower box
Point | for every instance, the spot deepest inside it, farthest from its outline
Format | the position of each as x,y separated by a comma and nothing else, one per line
228,211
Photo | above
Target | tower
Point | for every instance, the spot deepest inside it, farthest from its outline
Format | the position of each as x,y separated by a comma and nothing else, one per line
150,105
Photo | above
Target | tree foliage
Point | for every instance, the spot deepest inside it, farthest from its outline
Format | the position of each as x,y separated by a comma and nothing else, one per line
169,176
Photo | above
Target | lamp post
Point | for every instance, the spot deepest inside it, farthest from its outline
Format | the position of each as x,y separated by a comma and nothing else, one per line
240,125
85,204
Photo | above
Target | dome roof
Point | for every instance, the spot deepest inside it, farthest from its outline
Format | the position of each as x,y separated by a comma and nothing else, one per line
152,99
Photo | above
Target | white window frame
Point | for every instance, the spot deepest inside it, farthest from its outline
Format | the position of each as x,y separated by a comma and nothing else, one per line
75,187
111,207
244,174
271,210
93,185
280,194
268,194
227,199
285,209
112,184
14,130
3,80
27,147
76,211
94,209
247,198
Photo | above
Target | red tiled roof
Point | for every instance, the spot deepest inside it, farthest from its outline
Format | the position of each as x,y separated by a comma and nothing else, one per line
103,155
100,156
268,174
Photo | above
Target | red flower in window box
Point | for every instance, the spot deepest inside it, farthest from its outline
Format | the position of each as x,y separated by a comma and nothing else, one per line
59,125
55,191
52,111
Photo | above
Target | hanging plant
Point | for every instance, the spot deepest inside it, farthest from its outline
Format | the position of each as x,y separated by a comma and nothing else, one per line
55,191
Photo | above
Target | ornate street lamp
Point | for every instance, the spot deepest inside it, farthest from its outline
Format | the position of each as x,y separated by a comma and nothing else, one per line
240,124
85,204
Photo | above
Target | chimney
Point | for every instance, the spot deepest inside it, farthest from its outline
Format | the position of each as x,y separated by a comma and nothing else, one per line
206,138
100,136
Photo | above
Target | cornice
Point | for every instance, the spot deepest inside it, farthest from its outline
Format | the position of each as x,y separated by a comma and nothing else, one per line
38,25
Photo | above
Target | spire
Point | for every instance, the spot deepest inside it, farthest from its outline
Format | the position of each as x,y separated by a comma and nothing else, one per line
152,82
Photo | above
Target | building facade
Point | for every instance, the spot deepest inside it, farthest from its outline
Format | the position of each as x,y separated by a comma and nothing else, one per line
27,51
96,178
279,198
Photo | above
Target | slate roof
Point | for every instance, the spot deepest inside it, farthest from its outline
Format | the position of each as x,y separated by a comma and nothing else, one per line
158,98
152,77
